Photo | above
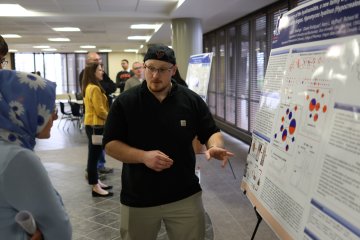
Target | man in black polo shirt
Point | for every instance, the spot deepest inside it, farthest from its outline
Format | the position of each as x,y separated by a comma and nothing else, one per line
150,129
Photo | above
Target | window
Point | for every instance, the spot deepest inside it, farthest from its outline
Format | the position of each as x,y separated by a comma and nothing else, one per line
241,51
220,83
62,68
230,87
242,76
210,46
39,64
25,62
54,71
72,76
257,66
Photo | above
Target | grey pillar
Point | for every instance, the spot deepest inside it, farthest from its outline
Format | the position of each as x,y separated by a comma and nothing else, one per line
186,41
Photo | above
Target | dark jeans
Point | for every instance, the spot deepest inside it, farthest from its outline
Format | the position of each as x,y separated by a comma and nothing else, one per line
94,153
102,161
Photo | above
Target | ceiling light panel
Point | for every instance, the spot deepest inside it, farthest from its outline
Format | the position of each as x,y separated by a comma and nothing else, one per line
49,49
145,38
88,46
10,36
131,50
66,29
146,26
41,46
59,39
81,51
15,10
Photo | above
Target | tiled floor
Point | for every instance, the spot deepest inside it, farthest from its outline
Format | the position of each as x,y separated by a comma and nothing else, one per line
64,156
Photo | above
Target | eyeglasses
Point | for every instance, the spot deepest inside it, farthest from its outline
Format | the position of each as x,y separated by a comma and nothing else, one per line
137,68
161,71
3,62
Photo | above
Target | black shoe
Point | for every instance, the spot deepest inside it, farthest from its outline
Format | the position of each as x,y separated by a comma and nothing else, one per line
107,187
105,170
95,194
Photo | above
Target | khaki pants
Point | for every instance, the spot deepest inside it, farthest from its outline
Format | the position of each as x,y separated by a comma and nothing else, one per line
184,220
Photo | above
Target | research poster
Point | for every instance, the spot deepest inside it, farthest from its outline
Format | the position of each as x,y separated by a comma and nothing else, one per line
198,73
303,166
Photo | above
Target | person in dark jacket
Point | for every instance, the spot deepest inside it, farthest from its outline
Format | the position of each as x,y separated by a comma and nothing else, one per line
107,84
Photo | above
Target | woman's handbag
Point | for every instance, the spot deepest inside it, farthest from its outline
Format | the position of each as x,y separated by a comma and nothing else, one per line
96,139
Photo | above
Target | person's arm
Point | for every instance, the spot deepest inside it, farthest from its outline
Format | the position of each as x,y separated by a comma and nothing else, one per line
96,98
118,80
215,140
28,187
210,135
155,159
215,149
108,84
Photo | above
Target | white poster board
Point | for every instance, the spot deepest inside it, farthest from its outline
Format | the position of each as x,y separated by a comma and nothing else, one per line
198,73
303,167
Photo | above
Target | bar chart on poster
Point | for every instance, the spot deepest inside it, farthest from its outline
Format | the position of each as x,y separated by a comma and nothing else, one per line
303,166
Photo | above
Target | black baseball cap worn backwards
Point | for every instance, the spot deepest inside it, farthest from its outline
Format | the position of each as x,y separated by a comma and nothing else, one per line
160,52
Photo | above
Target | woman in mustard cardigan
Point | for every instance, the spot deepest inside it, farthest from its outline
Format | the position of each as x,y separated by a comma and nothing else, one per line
96,111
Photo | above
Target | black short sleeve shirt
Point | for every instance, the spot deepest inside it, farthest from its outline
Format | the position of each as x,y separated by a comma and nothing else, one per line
138,119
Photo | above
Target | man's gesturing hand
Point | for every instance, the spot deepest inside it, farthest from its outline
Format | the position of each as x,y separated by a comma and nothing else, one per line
157,160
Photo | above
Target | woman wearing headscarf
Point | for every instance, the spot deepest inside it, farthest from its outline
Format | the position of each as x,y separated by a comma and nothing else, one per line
96,111
27,112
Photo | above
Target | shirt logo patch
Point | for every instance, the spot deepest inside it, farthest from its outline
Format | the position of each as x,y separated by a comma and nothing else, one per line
183,123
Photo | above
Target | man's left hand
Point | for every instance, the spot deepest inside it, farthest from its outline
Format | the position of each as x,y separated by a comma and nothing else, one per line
218,153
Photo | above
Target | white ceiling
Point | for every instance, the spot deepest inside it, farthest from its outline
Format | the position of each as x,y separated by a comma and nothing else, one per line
106,23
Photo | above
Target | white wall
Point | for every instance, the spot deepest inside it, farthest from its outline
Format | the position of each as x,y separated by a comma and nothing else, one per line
114,62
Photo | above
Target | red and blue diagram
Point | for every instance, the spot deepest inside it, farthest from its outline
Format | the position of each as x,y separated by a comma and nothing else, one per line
284,135
316,105
316,108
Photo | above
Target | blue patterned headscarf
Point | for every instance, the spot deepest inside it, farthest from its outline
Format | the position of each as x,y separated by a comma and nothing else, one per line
26,104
